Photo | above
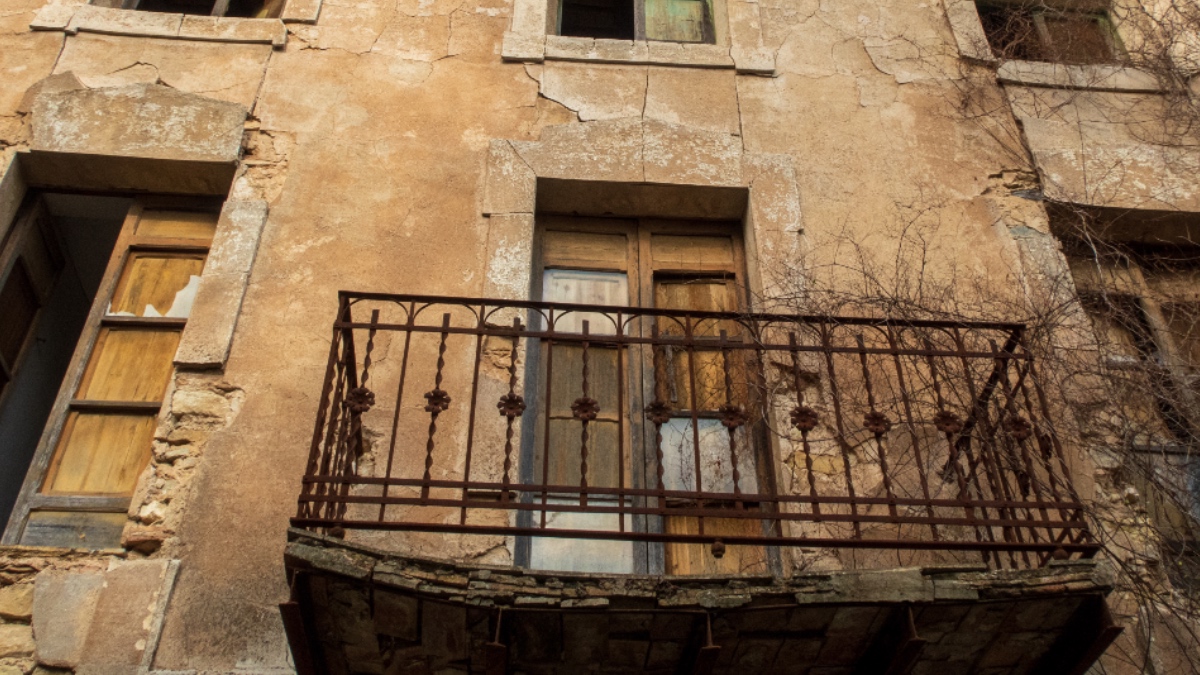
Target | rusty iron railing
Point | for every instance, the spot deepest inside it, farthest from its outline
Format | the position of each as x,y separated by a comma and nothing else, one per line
476,416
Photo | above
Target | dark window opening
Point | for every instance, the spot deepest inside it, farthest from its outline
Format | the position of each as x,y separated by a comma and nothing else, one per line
611,19
662,20
250,9
51,268
1040,33
1011,32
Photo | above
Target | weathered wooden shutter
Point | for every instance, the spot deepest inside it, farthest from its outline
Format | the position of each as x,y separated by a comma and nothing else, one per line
696,381
679,20
106,435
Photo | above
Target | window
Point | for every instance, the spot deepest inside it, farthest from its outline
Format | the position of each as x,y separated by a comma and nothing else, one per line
253,9
97,437
1144,304
668,20
1036,32
661,264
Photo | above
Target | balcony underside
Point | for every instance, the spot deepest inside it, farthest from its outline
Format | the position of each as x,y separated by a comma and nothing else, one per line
356,610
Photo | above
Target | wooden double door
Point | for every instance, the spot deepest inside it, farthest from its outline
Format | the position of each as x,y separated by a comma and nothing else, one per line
678,265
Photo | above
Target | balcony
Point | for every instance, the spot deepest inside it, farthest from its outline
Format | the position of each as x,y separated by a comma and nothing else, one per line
473,458
919,436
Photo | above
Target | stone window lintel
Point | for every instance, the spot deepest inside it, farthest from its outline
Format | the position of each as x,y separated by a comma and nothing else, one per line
72,19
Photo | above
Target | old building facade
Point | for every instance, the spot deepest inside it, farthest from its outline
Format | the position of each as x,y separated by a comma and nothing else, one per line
886,363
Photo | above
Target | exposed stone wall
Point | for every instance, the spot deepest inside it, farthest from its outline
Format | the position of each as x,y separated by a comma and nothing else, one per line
20,569
199,406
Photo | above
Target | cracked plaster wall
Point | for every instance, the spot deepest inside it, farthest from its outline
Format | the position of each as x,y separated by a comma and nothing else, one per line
369,134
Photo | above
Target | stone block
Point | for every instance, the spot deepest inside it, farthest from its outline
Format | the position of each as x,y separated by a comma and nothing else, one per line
444,632
692,54
301,11
396,615
774,193
753,60
907,585
529,17
633,51
677,154
139,120
511,185
596,91
698,98
1105,164
53,17
570,48
222,71
16,602
25,58
968,31
221,29
1099,77
16,640
63,606
49,84
609,150
125,606
522,47
236,241
208,335
745,23
95,19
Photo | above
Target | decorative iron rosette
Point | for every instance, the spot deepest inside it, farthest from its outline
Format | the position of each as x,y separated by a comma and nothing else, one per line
804,418
359,400
585,408
1018,427
658,412
732,416
437,401
947,422
876,422
718,549
511,405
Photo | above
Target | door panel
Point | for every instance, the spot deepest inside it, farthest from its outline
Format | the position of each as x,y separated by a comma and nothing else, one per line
100,453
129,365
157,284
698,558
663,264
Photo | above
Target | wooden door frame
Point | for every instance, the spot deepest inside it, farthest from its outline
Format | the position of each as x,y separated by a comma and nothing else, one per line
649,558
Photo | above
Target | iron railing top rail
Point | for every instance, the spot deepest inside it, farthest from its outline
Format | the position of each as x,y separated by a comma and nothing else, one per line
765,317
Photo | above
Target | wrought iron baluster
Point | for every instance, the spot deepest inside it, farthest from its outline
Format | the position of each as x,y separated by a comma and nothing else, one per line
437,401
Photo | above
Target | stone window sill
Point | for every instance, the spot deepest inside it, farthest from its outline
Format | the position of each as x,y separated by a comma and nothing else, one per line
73,19
640,52
1092,77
